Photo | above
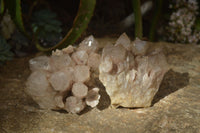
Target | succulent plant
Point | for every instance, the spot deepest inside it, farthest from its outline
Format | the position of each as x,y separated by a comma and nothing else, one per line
181,27
45,26
5,53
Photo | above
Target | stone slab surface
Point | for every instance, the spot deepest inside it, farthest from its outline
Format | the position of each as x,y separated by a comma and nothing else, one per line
175,108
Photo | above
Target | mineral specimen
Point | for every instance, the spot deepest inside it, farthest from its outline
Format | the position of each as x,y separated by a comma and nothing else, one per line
131,74
79,90
62,81
93,97
40,89
74,104
66,80
81,73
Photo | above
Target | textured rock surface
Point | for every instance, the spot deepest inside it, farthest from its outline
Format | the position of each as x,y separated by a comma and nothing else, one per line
131,77
60,81
176,106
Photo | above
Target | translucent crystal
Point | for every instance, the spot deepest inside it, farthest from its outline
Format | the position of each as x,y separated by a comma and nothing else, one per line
139,47
94,60
121,66
68,50
62,80
59,101
106,64
66,80
74,104
89,44
37,83
80,57
79,90
57,52
40,90
93,97
117,53
124,41
135,77
60,62
39,63
81,73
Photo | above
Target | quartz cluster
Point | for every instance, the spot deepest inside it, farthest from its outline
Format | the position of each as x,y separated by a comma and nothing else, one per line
130,73
63,80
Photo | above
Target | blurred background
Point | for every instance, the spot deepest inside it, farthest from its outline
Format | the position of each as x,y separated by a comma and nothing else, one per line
47,22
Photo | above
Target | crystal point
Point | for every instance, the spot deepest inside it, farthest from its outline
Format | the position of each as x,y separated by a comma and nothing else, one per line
137,76
68,79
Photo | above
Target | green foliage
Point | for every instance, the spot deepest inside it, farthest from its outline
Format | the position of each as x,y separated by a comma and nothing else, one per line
45,25
18,41
197,24
5,53
155,19
14,9
47,28
2,7
85,12
138,18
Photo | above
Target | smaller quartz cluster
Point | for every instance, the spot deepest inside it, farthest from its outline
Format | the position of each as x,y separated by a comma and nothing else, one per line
63,80
130,73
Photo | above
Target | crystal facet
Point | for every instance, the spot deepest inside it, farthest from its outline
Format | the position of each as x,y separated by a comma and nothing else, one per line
62,81
132,78
66,80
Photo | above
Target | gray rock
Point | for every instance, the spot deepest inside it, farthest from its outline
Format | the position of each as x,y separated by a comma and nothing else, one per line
175,108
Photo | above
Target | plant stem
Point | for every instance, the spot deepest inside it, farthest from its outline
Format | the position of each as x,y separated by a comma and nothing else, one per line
138,18
156,16
81,21
3,11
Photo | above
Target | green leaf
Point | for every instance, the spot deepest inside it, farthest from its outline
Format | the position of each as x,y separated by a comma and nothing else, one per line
85,12
14,9
5,53
197,24
43,15
2,7
138,18
55,22
155,19
45,25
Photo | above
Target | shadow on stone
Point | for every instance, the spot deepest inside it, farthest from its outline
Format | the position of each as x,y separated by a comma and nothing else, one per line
104,101
86,110
172,82
60,111
132,108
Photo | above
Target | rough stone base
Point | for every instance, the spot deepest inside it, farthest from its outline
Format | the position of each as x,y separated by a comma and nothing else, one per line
175,108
